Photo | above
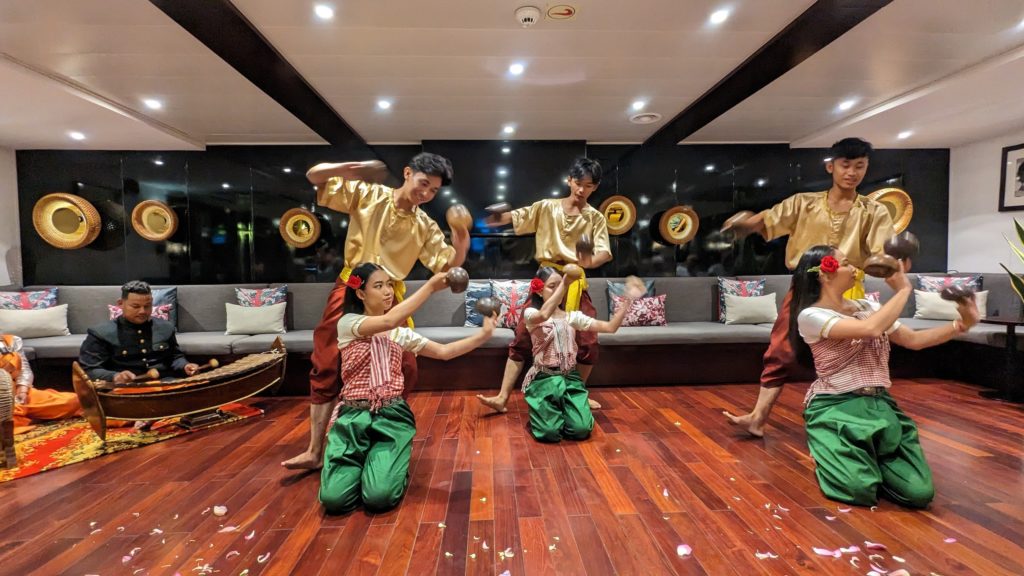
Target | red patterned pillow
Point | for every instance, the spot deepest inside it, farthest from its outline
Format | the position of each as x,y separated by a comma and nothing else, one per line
874,297
647,311
162,311
514,296
38,300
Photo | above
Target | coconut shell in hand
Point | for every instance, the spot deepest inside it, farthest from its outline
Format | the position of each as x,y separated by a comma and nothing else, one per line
458,280
881,266
488,306
902,246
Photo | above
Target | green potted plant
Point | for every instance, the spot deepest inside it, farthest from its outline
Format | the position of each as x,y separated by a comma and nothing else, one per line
1016,280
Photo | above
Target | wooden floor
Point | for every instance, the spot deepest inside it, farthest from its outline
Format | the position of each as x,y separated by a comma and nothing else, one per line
662,469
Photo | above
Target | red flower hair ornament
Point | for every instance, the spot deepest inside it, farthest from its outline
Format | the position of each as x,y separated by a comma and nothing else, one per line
536,285
354,282
829,265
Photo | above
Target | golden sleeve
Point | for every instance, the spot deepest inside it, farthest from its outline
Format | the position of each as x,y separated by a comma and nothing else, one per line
341,195
435,253
599,232
880,229
524,220
780,220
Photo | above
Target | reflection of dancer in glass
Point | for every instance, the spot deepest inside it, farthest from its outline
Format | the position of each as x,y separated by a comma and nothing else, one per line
1020,179
861,441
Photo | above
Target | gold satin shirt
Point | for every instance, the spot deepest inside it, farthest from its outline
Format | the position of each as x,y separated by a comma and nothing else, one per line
809,221
380,232
557,232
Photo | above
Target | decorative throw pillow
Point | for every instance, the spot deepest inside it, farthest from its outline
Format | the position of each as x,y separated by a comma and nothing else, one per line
255,319
931,306
972,282
744,288
36,300
750,309
256,297
476,291
39,323
162,311
167,296
619,289
647,311
514,295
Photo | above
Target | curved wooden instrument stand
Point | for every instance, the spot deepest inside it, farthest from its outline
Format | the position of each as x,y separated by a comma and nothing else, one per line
100,401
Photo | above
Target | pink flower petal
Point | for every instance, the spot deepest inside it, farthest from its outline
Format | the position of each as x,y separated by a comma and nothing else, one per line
263,558
783,509
949,540
900,572
879,569
900,560
850,550
505,573
855,562
684,550
844,510
765,555
874,546
830,518
228,529
876,557
827,552
126,559
250,535
231,554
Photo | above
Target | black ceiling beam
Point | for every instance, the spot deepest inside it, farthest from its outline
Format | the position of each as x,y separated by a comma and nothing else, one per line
228,33
816,28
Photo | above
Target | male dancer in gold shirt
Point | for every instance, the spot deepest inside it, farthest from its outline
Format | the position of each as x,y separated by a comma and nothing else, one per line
387,228
837,217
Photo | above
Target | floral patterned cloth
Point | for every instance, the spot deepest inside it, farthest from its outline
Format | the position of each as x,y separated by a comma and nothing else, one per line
37,300
647,311
259,297
618,290
737,288
514,296
162,311
972,282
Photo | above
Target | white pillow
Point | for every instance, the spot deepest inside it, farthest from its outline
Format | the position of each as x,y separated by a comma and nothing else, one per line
36,323
931,306
750,309
255,320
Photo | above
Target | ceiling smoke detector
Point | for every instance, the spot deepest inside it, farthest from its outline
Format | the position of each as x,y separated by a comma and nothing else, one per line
645,118
527,15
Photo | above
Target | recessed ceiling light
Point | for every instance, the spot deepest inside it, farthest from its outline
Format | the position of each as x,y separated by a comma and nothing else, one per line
76,135
153,104
447,193
709,168
719,16
158,162
516,69
555,192
828,159
501,186
383,104
455,200
905,134
286,170
639,105
323,11
506,150
761,182
499,197
645,118
847,104
644,199
502,171
225,186
509,129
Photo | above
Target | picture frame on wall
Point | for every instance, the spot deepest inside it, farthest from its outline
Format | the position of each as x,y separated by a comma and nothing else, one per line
1011,192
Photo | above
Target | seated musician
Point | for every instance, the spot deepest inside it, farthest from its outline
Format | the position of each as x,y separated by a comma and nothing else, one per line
30,403
121,350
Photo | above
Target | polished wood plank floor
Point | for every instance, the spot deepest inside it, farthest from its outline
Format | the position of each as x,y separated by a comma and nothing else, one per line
661,470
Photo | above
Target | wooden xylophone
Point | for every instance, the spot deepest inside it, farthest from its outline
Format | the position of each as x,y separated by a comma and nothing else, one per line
173,397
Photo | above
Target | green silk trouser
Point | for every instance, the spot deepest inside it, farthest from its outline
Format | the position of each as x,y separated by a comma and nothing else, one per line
367,458
863,444
558,407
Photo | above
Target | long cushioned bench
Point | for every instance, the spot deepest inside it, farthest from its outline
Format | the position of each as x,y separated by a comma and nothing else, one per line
686,348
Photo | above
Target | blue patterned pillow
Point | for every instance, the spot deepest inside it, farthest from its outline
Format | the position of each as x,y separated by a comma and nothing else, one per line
37,300
737,288
618,290
476,291
167,296
259,297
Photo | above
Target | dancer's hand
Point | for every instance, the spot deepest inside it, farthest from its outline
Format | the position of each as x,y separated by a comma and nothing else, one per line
437,282
490,323
898,281
969,315
124,376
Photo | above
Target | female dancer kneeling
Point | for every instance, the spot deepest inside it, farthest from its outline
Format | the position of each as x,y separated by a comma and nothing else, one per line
370,441
552,387
860,440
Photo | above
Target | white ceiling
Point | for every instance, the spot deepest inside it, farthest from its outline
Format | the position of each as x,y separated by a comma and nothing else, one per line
445,62
930,66
907,46
128,50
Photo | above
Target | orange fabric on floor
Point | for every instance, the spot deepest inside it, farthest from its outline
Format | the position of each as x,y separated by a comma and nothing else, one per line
45,405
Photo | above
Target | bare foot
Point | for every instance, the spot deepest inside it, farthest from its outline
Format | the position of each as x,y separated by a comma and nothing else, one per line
754,427
496,403
304,461
594,404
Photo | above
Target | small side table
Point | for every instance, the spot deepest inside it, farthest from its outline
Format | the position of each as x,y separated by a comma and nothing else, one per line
1013,379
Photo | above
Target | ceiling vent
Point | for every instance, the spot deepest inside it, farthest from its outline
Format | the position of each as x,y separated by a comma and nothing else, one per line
645,118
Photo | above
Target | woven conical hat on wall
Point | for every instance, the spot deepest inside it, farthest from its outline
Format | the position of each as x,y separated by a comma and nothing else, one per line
677,225
154,220
66,221
619,213
899,204
299,227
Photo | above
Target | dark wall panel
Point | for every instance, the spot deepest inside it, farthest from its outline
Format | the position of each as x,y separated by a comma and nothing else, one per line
230,234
